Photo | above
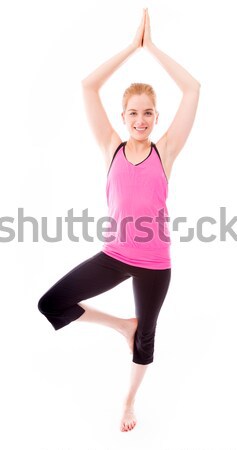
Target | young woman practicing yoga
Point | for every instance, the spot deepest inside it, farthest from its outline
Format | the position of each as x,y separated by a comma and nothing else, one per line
138,172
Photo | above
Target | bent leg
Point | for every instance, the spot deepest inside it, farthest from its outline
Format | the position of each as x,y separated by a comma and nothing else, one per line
90,278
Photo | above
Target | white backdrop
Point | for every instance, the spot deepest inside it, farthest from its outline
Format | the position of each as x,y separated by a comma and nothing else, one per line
63,390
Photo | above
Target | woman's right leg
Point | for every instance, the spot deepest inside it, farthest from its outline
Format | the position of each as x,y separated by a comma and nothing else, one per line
90,278
127,327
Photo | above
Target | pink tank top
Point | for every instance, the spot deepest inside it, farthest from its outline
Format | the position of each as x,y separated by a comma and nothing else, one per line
137,232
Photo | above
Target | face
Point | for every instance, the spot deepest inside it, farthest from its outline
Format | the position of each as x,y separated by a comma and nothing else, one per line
140,116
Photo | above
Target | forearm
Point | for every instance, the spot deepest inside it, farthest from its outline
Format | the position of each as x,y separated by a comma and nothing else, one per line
98,77
182,77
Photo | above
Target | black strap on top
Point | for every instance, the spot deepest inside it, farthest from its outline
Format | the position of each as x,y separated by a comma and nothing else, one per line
156,149
123,143
115,153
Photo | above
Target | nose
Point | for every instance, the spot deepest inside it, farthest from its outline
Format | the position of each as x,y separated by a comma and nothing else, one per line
140,123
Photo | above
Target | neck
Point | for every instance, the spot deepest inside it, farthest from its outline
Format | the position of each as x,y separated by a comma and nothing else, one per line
138,146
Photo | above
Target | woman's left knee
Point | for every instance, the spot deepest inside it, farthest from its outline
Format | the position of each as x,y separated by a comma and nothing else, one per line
144,346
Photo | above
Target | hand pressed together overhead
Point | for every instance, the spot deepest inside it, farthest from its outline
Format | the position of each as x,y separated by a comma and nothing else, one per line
143,35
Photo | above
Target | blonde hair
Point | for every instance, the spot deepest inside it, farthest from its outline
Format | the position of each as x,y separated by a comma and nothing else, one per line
138,89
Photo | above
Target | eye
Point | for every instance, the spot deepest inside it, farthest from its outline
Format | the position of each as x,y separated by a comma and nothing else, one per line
147,112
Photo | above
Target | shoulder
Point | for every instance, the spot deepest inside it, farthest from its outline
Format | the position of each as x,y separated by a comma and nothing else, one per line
111,148
165,154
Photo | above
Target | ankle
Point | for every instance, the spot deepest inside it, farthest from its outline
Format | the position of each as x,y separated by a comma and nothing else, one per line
122,326
129,402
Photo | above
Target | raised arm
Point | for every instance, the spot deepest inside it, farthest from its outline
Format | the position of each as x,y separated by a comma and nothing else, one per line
102,129
175,137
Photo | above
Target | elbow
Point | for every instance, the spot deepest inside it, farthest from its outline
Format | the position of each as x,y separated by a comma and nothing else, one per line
197,85
87,83
84,83
193,89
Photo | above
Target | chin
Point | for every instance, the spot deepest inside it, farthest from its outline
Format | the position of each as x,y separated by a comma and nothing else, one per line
140,138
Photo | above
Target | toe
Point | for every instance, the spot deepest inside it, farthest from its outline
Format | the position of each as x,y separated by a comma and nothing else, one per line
123,427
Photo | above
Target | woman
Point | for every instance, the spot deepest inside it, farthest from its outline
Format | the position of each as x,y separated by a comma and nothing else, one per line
137,186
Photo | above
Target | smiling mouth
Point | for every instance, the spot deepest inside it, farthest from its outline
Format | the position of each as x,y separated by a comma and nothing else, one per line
141,129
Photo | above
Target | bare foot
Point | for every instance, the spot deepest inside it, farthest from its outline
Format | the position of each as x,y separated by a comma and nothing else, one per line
128,329
128,421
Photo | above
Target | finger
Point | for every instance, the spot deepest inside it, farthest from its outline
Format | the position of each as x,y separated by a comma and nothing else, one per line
147,19
143,21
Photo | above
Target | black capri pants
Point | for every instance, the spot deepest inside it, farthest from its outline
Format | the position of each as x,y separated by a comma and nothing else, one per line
98,274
